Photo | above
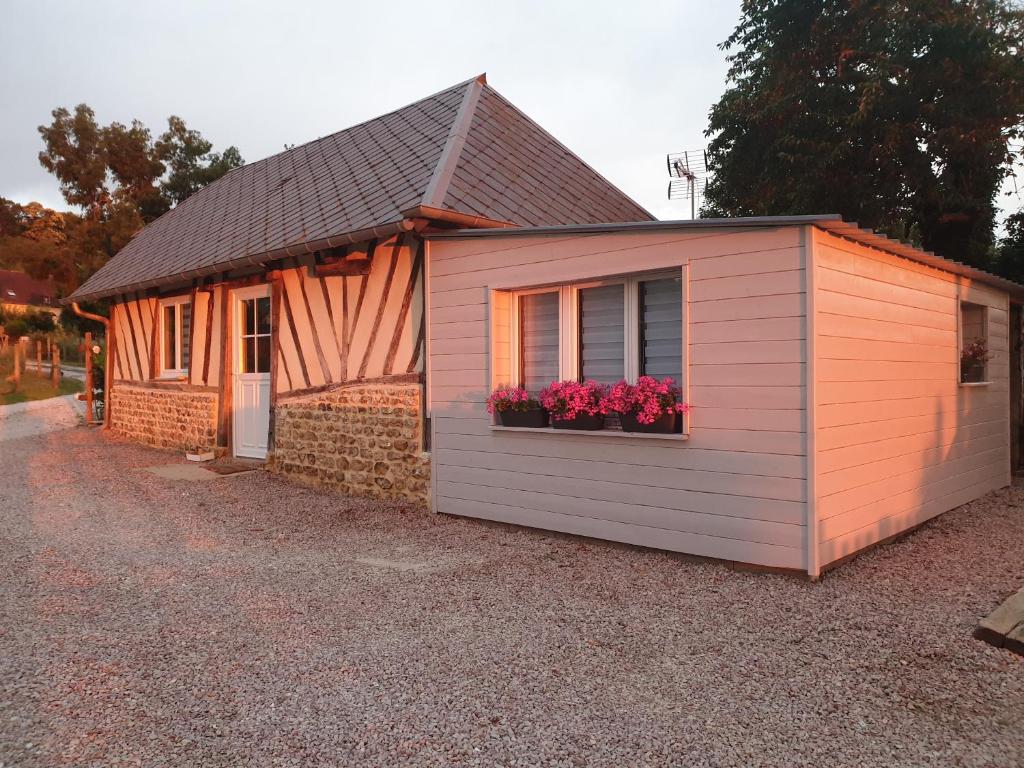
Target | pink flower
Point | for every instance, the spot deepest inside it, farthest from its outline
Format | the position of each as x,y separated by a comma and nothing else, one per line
511,399
648,399
565,400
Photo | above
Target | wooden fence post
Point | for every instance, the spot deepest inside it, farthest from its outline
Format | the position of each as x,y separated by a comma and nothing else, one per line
88,378
55,367
39,357
16,376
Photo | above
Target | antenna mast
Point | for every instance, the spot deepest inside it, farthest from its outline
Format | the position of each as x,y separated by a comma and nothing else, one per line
688,176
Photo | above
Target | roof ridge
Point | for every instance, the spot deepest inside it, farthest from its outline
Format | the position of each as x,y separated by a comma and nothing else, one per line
437,188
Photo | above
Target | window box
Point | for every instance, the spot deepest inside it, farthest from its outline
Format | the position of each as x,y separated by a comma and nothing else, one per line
597,434
535,418
667,423
582,422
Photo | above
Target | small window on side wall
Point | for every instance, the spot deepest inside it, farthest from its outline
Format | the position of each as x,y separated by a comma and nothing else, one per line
176,327
974,350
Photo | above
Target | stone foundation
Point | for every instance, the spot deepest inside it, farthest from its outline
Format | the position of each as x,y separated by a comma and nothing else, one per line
364,440
174,419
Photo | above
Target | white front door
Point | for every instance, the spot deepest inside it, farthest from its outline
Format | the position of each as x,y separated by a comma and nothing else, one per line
251,404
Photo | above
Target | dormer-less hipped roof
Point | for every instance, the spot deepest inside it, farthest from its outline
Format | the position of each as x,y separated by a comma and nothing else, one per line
464,156
829,222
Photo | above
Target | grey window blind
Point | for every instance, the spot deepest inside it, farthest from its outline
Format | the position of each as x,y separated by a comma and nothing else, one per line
661,328
602,333
186,335
538,340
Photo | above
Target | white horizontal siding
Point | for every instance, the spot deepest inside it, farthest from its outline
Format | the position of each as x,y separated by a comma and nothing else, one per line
736,489
897,439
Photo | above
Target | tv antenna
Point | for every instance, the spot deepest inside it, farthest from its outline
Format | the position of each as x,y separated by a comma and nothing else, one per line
688,176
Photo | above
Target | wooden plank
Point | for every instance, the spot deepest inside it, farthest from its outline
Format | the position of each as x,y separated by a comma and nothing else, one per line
765,329
743,352
740,507
759,374
224,425
403,312
708,546
314,330
864,453
396,252
290,321
208,341
192,336
873,432
139,372
748,308
719,526
154,343
746,286
780,488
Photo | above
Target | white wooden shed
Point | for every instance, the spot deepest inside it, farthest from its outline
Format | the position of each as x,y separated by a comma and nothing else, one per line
822,363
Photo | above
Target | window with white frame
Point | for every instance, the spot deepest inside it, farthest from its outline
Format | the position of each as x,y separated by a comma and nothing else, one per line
175,333
974,351
602,331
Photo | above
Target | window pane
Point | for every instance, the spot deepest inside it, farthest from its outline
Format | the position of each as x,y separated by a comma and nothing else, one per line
249,355
170,334
538,334
263,354
263,315
602,334
661,328
186,334
249,317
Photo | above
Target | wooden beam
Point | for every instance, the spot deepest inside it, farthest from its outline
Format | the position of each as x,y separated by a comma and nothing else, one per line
346,268
321,358
275,352
396,252
226,371
403,312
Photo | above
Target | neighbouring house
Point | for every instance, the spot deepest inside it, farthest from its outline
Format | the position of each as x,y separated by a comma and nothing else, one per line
344,308
20,293
279,312
831,408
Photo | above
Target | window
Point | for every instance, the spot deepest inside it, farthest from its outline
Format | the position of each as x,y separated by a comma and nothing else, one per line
176,327
255,336
602,331
974,351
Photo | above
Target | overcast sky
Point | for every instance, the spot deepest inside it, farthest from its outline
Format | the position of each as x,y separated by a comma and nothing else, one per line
620,83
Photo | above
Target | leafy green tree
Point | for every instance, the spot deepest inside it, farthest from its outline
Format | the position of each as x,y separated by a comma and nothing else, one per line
135,167
119,177
1010,258
75,153
190,161
895,115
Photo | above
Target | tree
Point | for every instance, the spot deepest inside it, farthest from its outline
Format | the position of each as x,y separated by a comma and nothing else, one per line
136,168
76,155
119,177
894,115
191,163
1010,259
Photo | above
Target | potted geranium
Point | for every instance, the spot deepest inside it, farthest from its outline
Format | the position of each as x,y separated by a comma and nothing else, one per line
574,404
648,406
972,361
515,407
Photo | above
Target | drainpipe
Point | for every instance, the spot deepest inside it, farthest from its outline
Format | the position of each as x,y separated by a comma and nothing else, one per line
108,373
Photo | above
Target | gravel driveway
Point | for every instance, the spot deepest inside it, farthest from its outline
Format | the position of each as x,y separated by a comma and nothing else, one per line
246,622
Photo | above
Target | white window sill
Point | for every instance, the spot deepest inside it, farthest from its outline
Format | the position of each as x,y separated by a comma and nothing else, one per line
975,383
613,433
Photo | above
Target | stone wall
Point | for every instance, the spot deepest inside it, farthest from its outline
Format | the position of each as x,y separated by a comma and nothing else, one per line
175,419
364,440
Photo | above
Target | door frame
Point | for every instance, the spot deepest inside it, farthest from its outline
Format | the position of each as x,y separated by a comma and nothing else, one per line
236,297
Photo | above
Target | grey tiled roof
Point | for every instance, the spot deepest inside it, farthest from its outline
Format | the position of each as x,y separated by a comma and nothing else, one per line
498,164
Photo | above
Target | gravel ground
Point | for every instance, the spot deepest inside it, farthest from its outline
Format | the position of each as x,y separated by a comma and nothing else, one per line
38,416
246,622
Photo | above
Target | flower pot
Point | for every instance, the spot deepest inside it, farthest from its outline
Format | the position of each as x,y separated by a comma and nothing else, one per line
972,372
535,418
666,424
583,421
